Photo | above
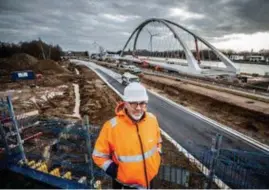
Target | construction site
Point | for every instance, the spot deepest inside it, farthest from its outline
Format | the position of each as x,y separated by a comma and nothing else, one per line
49,125
49,114
134,95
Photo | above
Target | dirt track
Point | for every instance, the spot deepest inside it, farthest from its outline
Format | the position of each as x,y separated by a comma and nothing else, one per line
97,99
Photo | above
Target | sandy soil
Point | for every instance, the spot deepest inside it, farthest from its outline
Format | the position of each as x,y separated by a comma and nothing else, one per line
247,103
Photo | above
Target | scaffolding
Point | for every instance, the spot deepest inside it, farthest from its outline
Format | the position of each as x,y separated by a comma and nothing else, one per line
47,150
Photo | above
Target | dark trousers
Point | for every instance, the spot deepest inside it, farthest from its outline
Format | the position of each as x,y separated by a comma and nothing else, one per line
117,185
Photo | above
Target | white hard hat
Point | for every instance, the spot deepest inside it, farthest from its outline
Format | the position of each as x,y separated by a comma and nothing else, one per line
135,92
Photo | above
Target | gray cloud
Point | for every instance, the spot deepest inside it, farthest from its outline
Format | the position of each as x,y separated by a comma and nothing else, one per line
77,24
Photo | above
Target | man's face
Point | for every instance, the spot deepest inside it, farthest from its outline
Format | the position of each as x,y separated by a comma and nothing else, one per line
136,109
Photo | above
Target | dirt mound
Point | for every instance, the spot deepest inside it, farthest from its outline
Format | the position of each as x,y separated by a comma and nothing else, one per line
22,61
17,62
48,67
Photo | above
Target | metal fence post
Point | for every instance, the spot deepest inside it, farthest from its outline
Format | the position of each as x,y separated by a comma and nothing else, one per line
3,135
12,115
89,148
216,141
2,131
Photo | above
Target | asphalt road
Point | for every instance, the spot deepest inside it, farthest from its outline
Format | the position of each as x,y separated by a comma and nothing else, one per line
195,135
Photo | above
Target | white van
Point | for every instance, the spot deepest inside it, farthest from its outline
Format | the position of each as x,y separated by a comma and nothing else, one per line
128,78
134,69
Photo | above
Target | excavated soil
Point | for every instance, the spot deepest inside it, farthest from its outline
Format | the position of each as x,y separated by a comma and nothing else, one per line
52,73
22,61
97,99
53,95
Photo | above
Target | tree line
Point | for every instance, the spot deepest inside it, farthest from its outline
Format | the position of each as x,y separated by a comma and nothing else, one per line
36,48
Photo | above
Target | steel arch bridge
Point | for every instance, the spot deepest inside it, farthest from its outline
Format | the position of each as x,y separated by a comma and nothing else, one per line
193,66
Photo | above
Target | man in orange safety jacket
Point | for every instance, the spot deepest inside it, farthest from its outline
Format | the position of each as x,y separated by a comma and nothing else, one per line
129,145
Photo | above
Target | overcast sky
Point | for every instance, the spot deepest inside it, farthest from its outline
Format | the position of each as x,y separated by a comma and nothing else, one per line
76,24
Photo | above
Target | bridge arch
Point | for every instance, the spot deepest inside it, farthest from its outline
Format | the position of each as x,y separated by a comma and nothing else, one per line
190,58
192,62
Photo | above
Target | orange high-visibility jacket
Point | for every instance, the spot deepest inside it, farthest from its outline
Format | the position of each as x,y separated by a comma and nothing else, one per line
119,142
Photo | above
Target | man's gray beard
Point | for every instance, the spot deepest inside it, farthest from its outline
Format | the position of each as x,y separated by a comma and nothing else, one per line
137,117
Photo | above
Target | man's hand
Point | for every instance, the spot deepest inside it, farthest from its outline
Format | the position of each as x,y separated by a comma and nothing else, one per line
112,170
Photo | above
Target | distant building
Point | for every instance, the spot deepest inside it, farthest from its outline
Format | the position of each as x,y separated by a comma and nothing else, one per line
236,57
255,58
76,53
